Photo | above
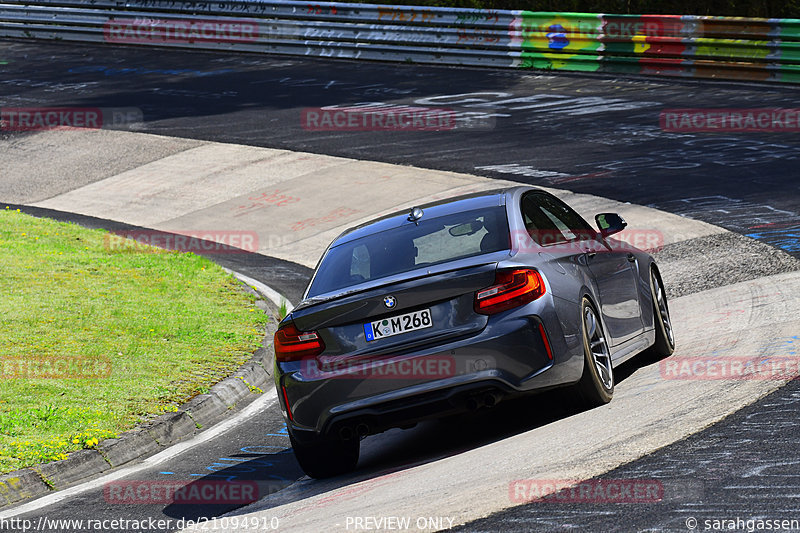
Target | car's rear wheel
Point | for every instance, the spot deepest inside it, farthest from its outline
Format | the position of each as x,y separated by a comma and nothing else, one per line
596,386
665,337
326,458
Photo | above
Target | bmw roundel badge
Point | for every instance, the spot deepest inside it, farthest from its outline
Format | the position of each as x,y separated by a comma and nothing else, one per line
389,302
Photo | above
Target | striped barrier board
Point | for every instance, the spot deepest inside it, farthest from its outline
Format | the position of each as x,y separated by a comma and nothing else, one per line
689,46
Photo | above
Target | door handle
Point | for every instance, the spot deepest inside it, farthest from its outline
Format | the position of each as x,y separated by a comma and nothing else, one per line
631,257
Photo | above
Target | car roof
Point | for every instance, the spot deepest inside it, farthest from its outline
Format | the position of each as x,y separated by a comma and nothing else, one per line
447,206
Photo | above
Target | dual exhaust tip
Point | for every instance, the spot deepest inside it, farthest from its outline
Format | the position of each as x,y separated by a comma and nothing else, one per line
357,431
487,399
474,402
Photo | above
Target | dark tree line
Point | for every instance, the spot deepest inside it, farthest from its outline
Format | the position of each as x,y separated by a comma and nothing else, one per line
731,8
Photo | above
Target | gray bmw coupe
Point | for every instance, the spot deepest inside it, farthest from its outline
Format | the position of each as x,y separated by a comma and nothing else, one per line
456,306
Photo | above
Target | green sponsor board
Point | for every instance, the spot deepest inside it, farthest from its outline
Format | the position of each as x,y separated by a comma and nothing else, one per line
560,40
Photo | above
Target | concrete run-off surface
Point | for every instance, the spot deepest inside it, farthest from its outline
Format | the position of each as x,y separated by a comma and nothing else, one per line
296,203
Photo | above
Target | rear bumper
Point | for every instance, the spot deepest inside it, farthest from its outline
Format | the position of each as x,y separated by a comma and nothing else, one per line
507,358
402,412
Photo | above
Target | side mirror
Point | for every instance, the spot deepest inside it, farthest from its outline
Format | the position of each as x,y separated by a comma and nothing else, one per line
609,223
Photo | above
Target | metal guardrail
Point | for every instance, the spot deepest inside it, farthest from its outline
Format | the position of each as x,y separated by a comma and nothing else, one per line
692,46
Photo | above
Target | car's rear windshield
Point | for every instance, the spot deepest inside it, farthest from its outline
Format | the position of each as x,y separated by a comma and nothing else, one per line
410,246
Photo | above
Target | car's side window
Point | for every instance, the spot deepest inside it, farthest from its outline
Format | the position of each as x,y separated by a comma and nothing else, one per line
562,226
550,221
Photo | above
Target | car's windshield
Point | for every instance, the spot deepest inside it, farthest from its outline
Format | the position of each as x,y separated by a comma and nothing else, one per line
432,241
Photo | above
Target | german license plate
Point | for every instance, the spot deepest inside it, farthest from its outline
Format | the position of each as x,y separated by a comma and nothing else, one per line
398,324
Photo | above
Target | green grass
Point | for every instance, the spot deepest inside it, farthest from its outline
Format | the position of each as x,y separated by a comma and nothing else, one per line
95,340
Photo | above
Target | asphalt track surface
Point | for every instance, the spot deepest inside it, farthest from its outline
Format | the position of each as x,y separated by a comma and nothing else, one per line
591,134
572,136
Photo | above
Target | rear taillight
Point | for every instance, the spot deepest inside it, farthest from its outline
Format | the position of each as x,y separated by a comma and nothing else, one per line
511,288
292,344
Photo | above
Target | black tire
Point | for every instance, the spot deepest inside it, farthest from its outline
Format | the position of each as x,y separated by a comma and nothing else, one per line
326,458
665,336
596,386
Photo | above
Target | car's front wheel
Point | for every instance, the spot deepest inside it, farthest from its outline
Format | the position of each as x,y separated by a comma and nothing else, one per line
326,458
596,386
